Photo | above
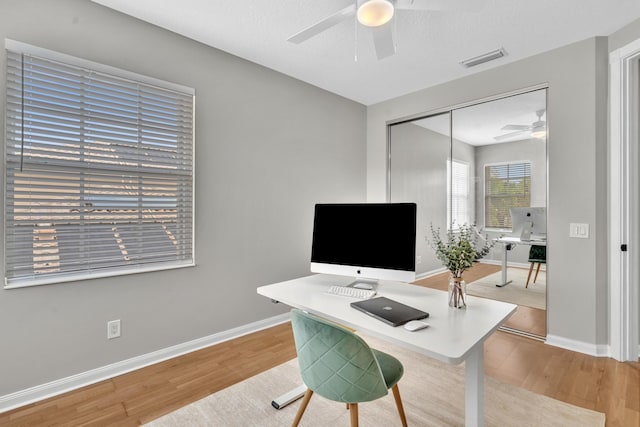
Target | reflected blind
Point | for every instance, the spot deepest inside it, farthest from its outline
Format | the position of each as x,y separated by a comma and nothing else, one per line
98,173
507,186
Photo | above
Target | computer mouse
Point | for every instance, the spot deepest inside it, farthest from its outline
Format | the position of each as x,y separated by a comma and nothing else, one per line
415,325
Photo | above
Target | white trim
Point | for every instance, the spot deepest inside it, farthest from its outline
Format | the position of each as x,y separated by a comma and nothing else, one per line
624,211
597,350
73,382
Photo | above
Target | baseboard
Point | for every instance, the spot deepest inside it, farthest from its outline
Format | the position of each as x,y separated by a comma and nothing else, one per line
430,273
509,264
63,385
597,350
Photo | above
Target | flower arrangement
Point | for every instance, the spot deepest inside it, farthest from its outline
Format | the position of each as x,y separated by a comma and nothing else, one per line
457,253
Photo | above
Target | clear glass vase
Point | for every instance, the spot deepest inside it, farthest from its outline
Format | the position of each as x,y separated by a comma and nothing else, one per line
457,292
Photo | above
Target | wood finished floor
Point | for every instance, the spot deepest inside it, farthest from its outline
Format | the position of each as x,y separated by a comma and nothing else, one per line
526,319
138,397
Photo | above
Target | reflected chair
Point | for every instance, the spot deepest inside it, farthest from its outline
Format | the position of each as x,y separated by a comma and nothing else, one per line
537,255
338,365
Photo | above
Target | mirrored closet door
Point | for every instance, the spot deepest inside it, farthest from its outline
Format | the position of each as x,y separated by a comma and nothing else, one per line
482,164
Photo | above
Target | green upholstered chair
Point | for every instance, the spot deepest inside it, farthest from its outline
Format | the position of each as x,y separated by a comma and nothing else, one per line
537,254
339,365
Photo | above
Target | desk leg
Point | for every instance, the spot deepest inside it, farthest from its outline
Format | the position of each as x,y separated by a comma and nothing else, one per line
474,387
503,276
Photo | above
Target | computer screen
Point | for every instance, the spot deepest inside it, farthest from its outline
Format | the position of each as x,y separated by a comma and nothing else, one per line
365,240
529,222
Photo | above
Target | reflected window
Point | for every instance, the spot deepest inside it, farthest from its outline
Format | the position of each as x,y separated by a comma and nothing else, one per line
458,211
507,185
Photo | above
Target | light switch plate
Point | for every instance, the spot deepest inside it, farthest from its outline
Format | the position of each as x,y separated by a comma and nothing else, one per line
579,230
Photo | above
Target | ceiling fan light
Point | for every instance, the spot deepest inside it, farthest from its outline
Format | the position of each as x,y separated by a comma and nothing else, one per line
374,13
539,132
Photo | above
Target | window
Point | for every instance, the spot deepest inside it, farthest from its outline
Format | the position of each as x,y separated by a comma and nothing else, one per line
458,211
98,170
507,185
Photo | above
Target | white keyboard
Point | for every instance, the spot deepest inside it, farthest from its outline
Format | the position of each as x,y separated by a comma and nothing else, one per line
348,291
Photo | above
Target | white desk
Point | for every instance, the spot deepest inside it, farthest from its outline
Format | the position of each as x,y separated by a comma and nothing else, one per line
454,336
508,241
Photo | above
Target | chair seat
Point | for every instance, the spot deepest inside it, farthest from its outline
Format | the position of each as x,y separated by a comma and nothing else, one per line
391,367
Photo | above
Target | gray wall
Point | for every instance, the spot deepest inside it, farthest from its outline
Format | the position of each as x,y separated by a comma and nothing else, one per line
268,147
577,79
419,174
624,35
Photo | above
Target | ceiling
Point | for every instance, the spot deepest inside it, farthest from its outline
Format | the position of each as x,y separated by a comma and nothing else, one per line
480,124
429,44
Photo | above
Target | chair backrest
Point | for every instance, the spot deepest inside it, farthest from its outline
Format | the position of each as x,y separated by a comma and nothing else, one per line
334,362
538,253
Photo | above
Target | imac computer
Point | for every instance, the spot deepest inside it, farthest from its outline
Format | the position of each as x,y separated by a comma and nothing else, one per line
529,223
368,241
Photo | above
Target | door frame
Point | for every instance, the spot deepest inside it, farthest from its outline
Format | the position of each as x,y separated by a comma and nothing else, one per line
624,207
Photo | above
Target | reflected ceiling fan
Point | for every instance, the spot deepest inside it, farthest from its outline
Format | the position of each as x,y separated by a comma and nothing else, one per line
537,129
377,15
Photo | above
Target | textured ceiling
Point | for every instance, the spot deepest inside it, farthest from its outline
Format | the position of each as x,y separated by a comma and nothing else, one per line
430,44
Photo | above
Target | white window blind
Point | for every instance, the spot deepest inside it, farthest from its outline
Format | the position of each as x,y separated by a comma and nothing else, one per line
98,173
458,192
507,186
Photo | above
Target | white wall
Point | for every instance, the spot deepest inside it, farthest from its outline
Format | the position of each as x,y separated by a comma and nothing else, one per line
267,148
576,77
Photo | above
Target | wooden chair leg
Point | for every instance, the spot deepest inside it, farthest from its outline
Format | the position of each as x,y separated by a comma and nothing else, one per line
353,411
537,271
529,276
396,396
303,406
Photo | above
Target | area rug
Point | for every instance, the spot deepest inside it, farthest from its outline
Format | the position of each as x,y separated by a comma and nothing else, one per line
515,292
432,392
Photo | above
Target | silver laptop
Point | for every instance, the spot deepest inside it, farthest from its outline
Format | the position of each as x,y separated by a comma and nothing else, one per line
389,311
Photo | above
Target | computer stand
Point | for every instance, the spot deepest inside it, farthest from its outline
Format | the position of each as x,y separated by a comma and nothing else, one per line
369,284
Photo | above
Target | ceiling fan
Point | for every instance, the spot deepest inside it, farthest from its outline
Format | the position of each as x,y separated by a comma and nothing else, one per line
377,16
537,129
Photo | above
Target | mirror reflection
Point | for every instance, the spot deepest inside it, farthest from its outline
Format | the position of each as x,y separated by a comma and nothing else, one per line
485,164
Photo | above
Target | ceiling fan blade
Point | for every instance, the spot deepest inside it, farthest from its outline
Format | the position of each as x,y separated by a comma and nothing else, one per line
383,41
323,25
516,127
422,4
509,135
470,5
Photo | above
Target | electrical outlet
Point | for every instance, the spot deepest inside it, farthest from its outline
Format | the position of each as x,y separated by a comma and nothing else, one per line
113,329
419,259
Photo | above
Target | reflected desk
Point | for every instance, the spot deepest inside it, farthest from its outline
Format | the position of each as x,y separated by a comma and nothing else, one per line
508,242
454,336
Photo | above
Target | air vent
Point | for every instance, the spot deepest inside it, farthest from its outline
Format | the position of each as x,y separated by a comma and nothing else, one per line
485,57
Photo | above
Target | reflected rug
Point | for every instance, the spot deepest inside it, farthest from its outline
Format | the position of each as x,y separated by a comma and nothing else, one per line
515,292
432,393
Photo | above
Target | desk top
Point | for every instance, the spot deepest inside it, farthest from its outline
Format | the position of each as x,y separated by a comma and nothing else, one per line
452,334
